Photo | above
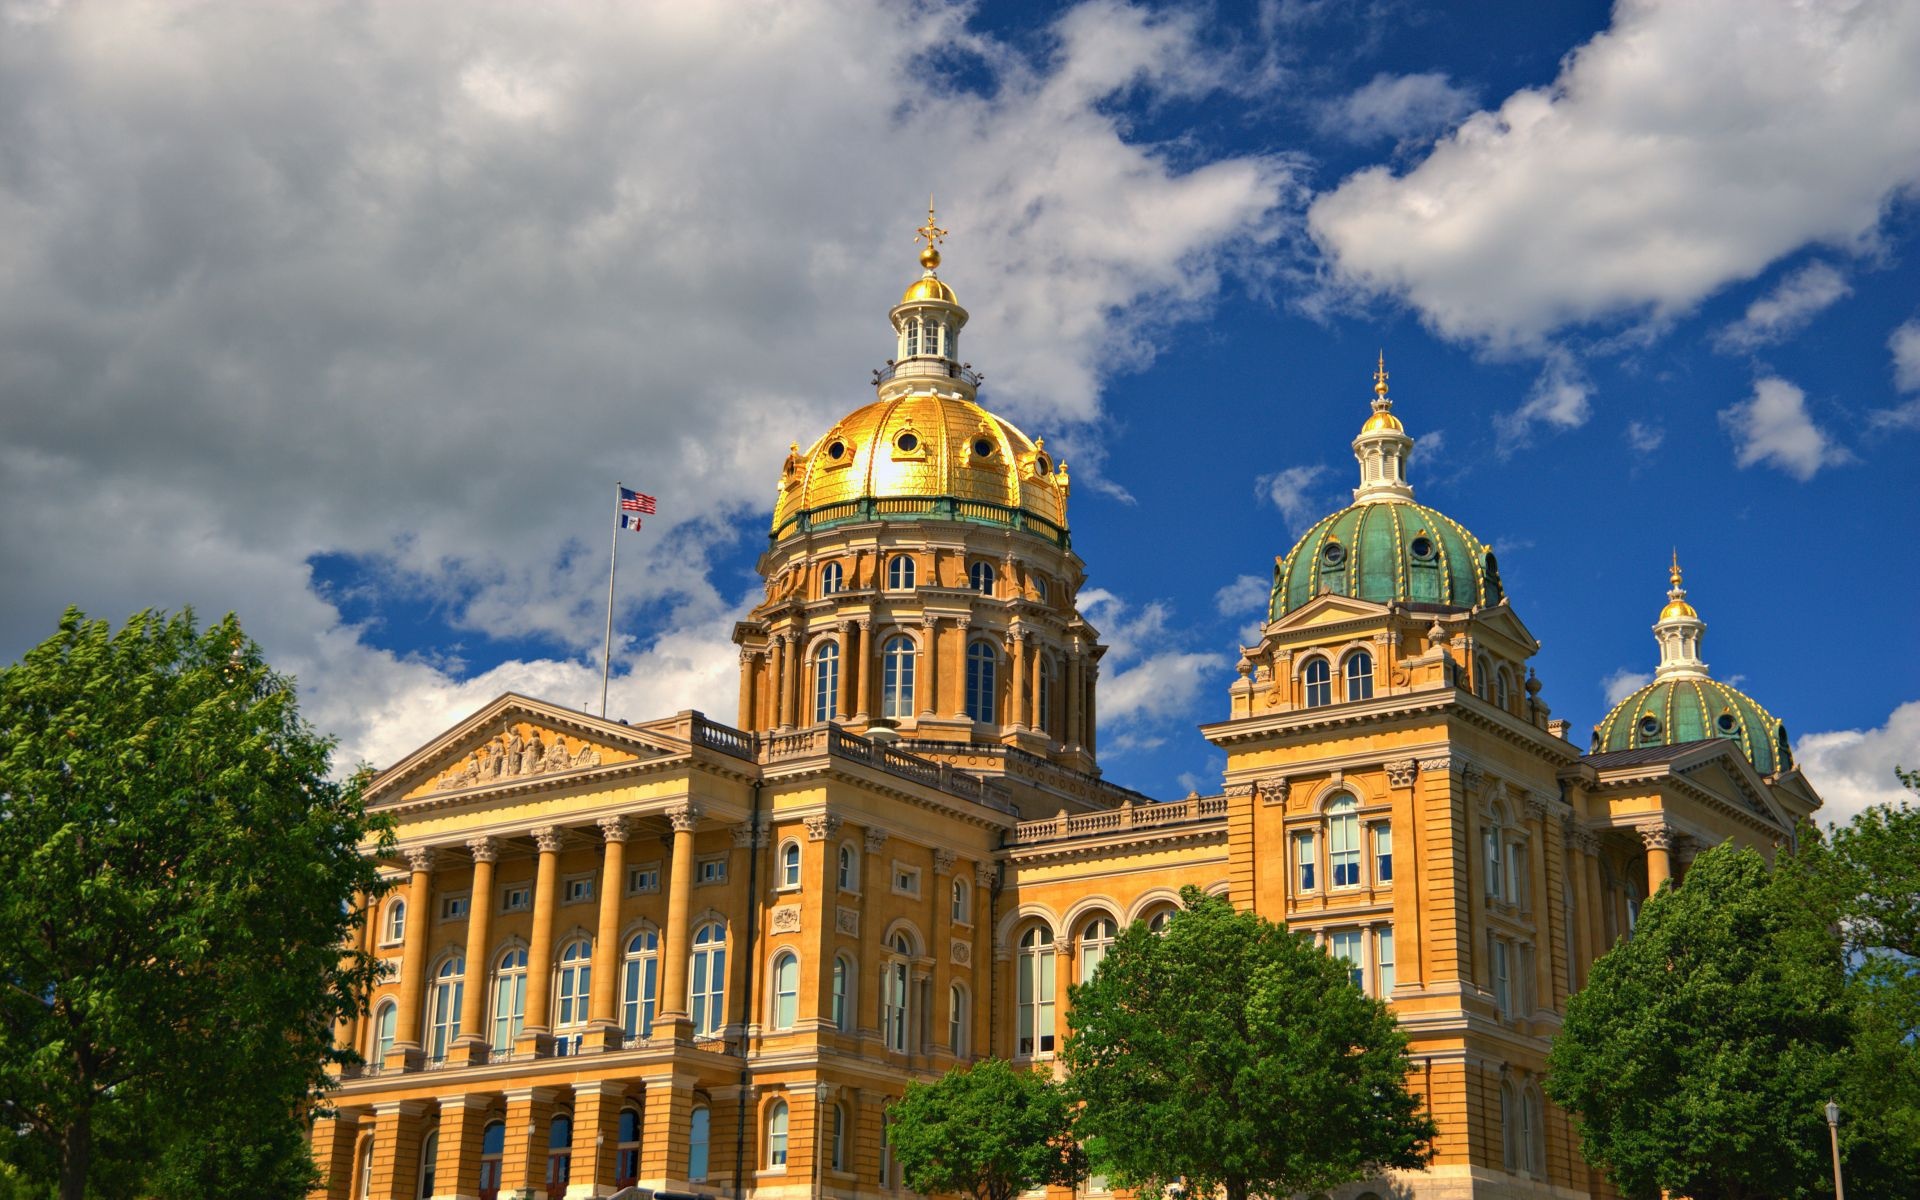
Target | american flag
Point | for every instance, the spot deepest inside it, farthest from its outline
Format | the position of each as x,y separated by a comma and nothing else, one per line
632,501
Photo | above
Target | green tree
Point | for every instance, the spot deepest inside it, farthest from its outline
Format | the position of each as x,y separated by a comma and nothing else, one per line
1236,1055
176,877
1699,1055
990,1131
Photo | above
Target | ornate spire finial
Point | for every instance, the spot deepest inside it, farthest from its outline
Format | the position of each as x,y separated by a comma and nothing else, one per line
1674,574
932,235
1380,377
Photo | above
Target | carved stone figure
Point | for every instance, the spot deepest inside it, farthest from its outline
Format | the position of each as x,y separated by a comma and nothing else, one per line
516,745
536,755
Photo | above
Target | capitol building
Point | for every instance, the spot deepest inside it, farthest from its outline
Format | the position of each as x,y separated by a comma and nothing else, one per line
690,955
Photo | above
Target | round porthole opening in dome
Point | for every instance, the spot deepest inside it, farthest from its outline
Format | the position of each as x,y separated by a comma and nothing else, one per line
836,450
982,448
907,443
1422,548
1334,553
1726,724
1649,726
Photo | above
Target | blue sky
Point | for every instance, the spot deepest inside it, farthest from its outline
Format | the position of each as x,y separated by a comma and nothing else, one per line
347,318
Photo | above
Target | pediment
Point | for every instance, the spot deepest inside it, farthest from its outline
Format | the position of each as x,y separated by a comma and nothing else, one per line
1328,609
1503,620
513,740
1721,769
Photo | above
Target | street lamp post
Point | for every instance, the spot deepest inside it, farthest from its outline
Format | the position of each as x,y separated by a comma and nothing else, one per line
1833,1130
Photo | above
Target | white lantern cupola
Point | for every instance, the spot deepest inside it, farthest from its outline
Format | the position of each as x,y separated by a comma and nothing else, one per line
1679,631
1382,448
927,324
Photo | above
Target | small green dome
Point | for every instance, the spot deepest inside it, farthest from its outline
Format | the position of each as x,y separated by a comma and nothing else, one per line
1671,712
1387,551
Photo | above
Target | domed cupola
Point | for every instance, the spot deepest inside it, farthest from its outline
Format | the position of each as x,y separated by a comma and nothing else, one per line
1684,704
1386,547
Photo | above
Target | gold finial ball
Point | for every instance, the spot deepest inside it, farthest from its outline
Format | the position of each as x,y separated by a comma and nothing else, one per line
929,257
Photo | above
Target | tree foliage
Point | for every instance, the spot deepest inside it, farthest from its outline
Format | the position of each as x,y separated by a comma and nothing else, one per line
990,1131
1237,1055
1701,1052
176,878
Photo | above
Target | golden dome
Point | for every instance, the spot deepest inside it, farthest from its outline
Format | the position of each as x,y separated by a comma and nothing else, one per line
919,448
1678,608
1383,420
928,287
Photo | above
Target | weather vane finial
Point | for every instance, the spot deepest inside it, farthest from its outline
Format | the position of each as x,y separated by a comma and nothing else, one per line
932,234
1380,376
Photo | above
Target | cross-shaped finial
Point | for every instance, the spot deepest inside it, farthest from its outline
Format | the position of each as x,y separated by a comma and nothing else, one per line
931,233
1380,376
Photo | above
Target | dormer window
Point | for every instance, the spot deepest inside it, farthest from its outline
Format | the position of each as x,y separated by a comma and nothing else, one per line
1649,727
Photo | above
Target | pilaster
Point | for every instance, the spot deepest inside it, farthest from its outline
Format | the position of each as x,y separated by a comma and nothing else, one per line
523,1165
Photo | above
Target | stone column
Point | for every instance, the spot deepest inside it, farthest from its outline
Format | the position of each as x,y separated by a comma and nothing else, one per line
963,629
1089,727
534,1032
862,672
1596,895
940,1027
1072,696
596,1133
849,670
333,1140
666,1114
1016,715
603,1022
930,699
396,1150
985,969
796,672
523,1165
776,677
463,1120
473,1008
413,958
747,669
1579,935
1031,710
674,1012
1659,842
1543,903
872,888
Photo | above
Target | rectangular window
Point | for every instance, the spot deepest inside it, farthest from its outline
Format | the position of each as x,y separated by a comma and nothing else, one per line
1491,845
1303,859
710,870
516,897
1523,985
906,880
1383,960
1345,944
454,907
1343,849
1502,984
1382,853
1517,872
577,890
643,878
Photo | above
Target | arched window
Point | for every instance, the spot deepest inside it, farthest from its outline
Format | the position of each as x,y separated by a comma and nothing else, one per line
1043,695
576,980
385,1026
962,903
777,1134
900,573
980,577
1035,993
1343,841
1510,1127
709,978
493,1148
831,578
896,677
699,1133
1039,586
639,984
957,1020
1500,686
826,681
842,994
1095,940
443,1007
786,991
1360,676
790,865
849,864
509,998
837,1147
980,663
1533,1131
1157,923
1319,680
1482,672
429,1152
626,1151
1490,842
365,1190
913,336
396,928
559,1154
893,995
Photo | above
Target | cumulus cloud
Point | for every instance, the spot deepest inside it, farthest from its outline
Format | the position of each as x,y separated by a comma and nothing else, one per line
1293,491
1786,309
1773,429
1852,769
1686,147
409,286
1396,107
1560,399
1623,683
1247,593
1904,343
1148,680
1645,436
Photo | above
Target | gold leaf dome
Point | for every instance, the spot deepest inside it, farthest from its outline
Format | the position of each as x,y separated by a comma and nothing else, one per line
927,287
923,456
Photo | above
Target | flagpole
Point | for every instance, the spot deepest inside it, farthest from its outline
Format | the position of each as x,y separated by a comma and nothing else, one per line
613,563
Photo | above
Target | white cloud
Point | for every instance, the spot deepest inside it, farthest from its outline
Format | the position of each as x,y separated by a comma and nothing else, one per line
1623,683
1291,490
1644,436
1905,345
1852,769
413,284
1245,594
1147,679
1786,309
1396,107
1559,399
1773,428
1687,147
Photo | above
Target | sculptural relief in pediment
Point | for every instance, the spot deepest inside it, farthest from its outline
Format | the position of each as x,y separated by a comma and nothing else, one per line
520,750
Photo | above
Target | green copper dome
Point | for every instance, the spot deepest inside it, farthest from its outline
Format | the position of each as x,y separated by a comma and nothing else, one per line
1670,712
1386,551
